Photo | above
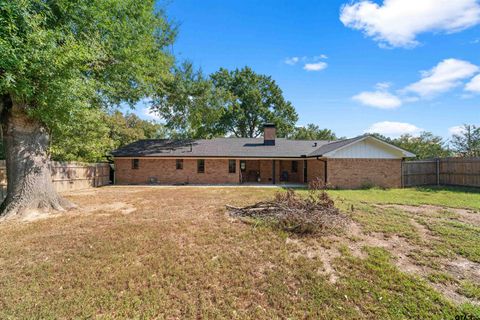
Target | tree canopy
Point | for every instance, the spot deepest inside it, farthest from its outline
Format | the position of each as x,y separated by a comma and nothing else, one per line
189,103
425,146
467,142
252,100
92,135
313,132
59,56
227,102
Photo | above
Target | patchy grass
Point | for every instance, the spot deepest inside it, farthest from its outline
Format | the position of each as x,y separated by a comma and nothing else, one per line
148,252
441,277
454,197
470,289
456,238
389,221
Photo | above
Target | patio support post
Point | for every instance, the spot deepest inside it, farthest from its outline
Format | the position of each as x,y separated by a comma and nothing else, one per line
273,171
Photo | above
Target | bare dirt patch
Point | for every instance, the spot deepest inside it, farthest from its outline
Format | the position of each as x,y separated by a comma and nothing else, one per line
355,239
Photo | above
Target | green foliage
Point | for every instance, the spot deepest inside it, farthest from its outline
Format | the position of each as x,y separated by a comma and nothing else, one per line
125,129
90,135
252,100
190,104
235,102
60,56
82,137
467,143
425,146
313,132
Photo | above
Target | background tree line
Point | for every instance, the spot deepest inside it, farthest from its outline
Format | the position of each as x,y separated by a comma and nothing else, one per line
226,103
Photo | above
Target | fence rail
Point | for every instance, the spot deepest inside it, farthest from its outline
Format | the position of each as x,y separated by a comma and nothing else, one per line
444,171
68,176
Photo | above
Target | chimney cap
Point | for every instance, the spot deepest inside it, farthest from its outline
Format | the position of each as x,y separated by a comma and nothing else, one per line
269,125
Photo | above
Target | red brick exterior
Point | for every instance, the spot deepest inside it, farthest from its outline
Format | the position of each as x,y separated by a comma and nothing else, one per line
341,173
315,169
269,133
164,171
356,173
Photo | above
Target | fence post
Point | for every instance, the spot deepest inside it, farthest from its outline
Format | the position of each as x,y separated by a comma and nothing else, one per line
402,182
95,176
437,171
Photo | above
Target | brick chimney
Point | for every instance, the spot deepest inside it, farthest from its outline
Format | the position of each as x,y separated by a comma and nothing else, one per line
269,134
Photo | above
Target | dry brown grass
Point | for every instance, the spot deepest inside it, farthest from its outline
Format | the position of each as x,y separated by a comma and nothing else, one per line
155,252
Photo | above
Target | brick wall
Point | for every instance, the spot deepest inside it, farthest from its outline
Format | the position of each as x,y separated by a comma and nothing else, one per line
354,173
342,173
165,172
294,177
315,169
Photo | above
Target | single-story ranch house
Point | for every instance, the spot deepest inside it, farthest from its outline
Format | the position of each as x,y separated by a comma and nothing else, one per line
349,163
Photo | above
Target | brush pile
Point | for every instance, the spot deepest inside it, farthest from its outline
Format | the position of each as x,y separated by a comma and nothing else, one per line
292,212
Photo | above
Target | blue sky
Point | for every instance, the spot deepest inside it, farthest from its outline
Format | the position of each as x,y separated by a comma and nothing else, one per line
391,66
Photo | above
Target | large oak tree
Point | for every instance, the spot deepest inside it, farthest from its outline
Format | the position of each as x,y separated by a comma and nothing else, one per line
252,100
227,102
58,56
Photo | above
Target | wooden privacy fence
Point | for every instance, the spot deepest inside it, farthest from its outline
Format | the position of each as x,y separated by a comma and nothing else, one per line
445,171
68,176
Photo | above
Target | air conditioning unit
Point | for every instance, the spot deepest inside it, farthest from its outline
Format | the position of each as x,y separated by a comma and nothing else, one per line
152,180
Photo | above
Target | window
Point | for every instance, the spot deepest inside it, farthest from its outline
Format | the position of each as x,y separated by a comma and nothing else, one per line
135,163
201,166
232,166
294,166
179,164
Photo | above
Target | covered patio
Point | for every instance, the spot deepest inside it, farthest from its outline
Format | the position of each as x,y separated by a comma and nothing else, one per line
273,171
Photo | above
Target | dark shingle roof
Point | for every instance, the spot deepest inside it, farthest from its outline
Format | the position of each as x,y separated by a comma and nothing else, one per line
326,148
234,147
219,147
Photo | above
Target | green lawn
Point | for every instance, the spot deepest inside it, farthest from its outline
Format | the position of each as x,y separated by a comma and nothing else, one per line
454,197
173,253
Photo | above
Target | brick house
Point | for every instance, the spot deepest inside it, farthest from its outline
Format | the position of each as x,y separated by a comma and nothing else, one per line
349,163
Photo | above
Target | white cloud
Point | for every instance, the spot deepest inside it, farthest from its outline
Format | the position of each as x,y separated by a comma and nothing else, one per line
474,84
393,129
444,76
456,130
321,56
397,22
315,66
383,85
292,61
378,99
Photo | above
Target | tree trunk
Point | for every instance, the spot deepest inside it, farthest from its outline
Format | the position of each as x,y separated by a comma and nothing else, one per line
29,181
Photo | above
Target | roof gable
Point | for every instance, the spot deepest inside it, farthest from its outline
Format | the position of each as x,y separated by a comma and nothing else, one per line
363,147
